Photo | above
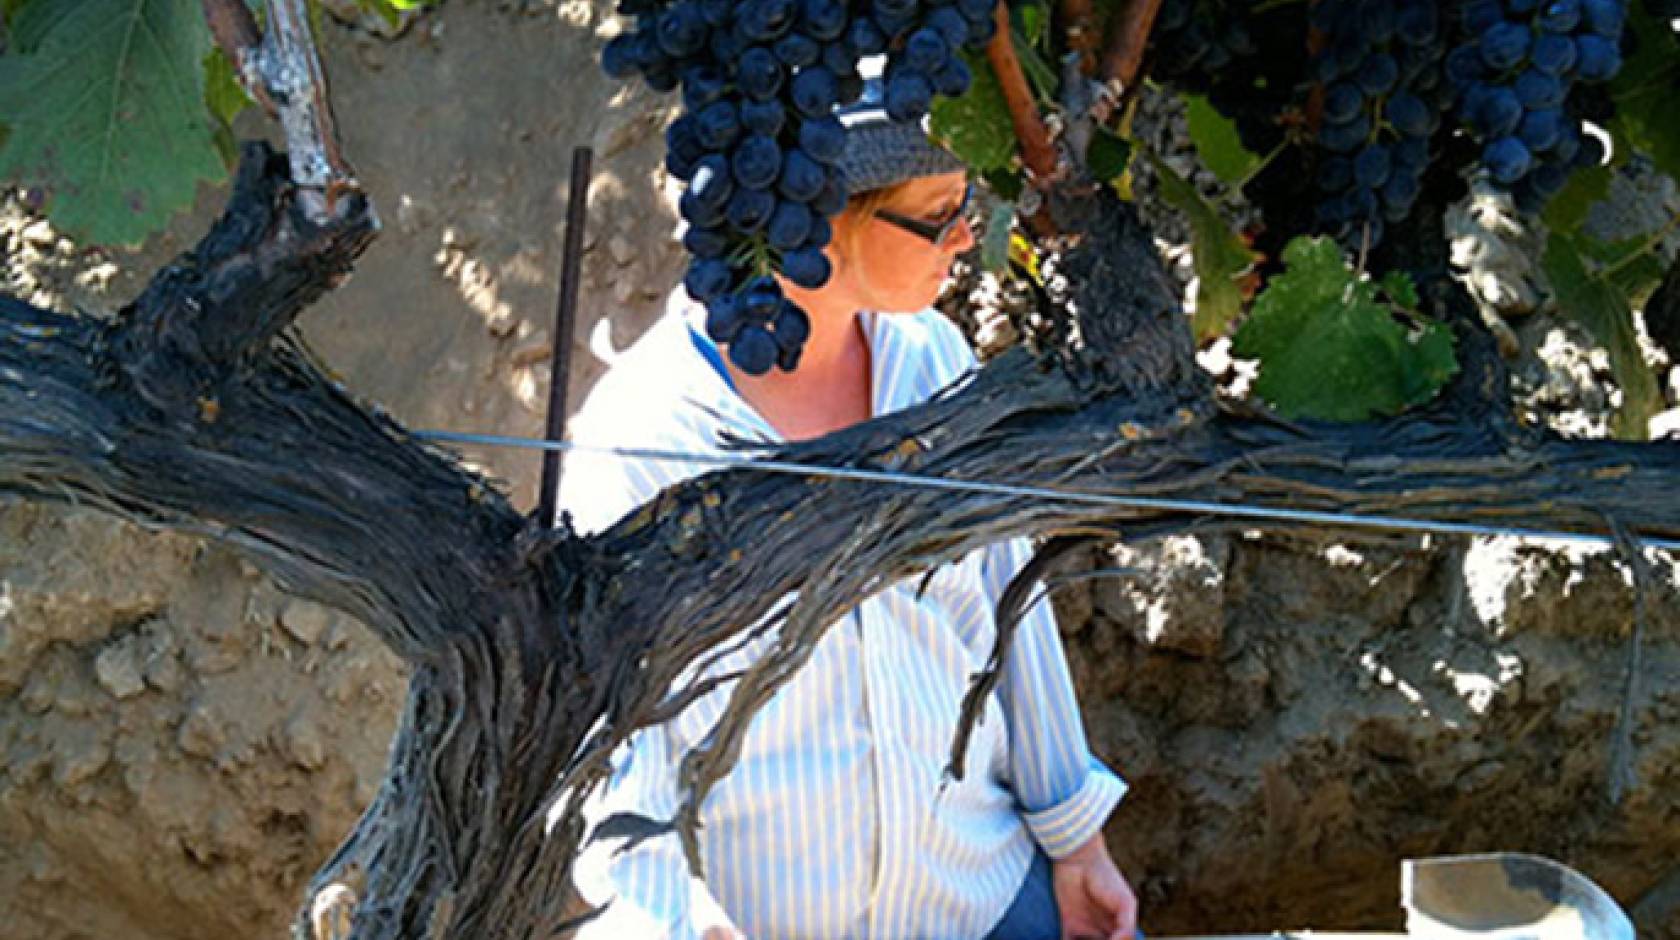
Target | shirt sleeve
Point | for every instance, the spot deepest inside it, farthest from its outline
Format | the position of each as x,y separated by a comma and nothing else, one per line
648,889
1065,792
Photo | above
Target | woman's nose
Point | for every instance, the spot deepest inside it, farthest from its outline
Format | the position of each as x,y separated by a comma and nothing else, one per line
961,238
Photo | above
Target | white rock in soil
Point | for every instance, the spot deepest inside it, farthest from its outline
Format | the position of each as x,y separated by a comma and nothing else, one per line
118,668
305,620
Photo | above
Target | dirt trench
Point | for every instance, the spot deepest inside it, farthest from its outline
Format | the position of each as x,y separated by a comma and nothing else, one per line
181,744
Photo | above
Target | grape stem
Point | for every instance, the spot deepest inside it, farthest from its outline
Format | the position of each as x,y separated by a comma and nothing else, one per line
1128,37
1260,167
1037,151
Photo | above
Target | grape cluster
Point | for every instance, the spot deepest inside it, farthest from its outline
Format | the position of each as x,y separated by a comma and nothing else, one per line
759,145
1195,40
1379,66
1515,73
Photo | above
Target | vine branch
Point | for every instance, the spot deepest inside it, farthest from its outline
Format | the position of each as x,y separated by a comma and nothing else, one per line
1037,151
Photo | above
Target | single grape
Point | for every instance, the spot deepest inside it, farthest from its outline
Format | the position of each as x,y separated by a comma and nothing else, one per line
717,125
788,226
814,91
1560,16
1480,15
1398,194
1548,179
865,38
1409,115
823,138
1497,113
702,85
749,209
1416,23
948,24
1372,166
712,183
973,10
753,350
796,50
1507,159
1605,17
758,74
1504,45
1345,137
823,20
792,326
1342,103
1464,66
926,50
697,213
1410,154
806,267
1597,58
1553,54
765,20
830,200
762,117
619,58
707,278
908,95
954,79
801,177
756,161
821,232
716,13
1536,89
1378,75
1541,130
681,30
723,318
705,242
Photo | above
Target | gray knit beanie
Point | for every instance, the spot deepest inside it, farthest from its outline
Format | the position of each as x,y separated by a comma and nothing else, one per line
880,151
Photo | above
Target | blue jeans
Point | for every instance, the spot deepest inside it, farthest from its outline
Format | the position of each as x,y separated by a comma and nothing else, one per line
1033,914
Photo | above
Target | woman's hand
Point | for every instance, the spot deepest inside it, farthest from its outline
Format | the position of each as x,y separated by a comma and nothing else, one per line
1095,901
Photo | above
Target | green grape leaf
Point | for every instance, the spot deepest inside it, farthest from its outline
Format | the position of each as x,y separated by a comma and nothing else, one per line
1218,142
1034,19
1221,258
1644,92
1400,289
976,126
1329,349
225,98
1108,155
107,113
1603,310
1568,209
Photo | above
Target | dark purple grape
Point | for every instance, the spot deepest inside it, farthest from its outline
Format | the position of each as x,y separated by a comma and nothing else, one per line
712,182
1345,137
749,209
1559,16
717,125
1410,154
801,177
1507,159
821,231
792,326
1504,46
927,51
1553,54
697,213
727,45
1548,179
705,242
1568,145
823,138
1605,17
1481,15
756,161
908,95
765,20
723,318
681,30
1536,89
1342,103
823,20
865,38
1497,113
788,227
763,117
807,267
980,32
1409,115
830,200
948,23
708,278
1416,24
1398,194
797,51
974,10
1597,58
702,85
1464,66
1541,130
1378,75
815,91
716,13
753,350
760,298
954,79
893,9
758,74
1590,151
1371,167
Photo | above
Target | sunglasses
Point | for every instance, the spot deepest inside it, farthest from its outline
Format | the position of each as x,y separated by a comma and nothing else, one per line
935,232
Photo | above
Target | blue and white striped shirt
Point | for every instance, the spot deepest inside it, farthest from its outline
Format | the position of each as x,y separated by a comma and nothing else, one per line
834,824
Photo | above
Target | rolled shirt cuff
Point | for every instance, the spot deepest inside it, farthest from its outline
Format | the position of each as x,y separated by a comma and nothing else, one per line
1064,827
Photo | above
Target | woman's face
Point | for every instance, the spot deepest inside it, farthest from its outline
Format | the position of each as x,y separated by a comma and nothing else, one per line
893,270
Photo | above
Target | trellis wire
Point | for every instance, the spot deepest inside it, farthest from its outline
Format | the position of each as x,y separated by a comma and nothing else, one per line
1152,503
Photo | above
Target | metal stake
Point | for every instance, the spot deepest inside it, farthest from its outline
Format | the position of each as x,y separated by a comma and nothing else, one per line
565,324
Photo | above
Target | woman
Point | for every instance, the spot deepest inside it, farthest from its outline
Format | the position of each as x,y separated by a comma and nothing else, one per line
837,820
